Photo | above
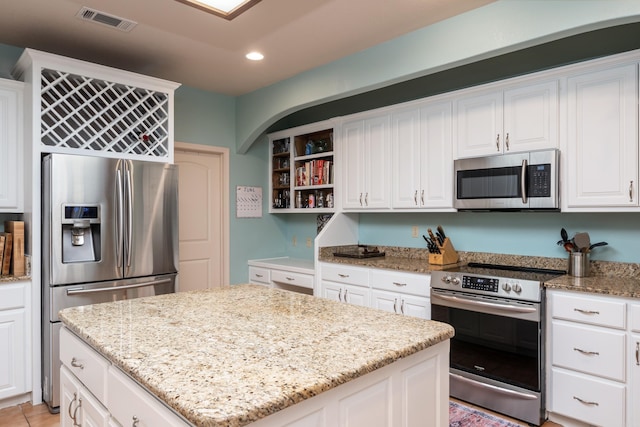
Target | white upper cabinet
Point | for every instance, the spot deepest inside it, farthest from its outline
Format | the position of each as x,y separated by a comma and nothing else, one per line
601,157
366,154
422,160
11,146
497,121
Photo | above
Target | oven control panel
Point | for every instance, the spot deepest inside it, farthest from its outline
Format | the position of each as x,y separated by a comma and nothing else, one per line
480,284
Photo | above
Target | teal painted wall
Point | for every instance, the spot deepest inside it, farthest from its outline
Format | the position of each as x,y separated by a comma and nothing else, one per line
519,233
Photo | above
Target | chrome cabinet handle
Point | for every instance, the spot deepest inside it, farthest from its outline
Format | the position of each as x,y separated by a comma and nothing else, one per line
76,364
75,414
415,197
399,284
343,275
75,396
290,278
395,305
585,352
590,312
345,295
135,421
340,295
422,197
586,402
637,353
506,141
498,142
360,199
258,275
366,199
402,307
631,191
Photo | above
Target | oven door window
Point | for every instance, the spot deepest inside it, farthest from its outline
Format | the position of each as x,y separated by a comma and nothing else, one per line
494,183
497,347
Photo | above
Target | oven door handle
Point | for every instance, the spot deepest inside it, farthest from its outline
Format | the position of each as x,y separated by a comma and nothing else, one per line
494,388
504,307
80,291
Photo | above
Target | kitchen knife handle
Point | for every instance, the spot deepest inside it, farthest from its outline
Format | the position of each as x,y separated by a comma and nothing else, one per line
523,181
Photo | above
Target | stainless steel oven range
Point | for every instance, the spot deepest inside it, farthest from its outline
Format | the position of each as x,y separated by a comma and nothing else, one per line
497,353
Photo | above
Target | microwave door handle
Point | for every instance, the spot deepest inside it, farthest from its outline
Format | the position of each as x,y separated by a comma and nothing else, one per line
523,181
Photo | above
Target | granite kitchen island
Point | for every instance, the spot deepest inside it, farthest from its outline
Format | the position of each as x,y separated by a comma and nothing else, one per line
250,355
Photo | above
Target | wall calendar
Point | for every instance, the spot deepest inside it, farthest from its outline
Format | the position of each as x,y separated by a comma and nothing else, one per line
248,202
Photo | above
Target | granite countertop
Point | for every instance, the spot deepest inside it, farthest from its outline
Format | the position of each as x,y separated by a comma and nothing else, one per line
606,278
228,357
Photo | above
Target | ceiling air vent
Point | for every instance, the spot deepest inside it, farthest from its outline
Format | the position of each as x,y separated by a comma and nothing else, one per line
112,21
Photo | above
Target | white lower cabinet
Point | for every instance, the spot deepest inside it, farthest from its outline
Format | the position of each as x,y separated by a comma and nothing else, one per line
345,284
592,381
291,274
78,407
401,293
13,339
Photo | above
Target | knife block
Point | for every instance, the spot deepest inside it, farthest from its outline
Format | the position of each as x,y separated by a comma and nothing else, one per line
447,255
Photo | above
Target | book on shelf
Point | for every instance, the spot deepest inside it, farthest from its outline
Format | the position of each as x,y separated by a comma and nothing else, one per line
314,172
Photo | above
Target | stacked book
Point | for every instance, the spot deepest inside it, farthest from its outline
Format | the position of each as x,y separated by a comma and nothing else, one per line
12,249
314,172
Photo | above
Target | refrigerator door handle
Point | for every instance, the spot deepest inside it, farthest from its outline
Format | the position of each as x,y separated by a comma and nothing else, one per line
79,291
119,218
129,203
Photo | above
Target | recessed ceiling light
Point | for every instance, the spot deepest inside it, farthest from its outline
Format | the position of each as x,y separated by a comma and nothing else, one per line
255,56
227,9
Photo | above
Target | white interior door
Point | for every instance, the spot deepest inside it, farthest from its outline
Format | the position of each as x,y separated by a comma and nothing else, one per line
204,218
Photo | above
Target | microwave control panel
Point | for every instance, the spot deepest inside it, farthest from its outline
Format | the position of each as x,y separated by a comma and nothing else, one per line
540,180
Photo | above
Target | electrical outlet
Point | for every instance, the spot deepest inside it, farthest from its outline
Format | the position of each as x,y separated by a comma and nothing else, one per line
415,231
294,241
309,242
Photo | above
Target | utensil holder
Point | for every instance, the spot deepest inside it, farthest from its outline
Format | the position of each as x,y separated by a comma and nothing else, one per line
447,255
579,264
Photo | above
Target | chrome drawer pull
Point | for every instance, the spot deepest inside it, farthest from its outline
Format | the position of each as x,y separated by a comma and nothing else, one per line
75,414
399,284
344,276
75,396
395,305
637,353
76,364
258,275
584,402
135,421
579,310
415,197
290,278
586,353
402,307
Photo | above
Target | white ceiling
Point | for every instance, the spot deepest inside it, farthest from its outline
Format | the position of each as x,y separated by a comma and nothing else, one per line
180,43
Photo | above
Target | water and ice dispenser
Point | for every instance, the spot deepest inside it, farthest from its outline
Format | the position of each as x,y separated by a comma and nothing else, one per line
80,233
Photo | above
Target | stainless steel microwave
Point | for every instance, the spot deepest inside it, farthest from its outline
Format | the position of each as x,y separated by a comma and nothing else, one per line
516,181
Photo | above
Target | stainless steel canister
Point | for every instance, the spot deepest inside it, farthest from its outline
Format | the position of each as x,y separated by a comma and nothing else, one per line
579,264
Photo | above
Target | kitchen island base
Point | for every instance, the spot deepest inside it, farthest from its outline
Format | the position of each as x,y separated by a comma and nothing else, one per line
411,392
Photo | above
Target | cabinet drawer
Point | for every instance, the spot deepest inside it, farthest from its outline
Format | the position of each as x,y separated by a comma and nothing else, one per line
594,401
12,295
296,279
416,284
85,363
129,401
634,310
348,275
260,275
594,351
593,310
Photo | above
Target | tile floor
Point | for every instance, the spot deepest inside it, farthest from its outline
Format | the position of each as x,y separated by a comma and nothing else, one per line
26,415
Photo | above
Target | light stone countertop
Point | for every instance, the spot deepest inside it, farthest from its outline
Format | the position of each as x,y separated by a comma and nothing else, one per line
231,356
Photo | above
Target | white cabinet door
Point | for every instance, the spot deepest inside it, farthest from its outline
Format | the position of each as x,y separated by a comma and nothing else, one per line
78,407
531,117
398,303
422,159
406,159
479,125
416,306
634,379
13,340
357,295
11,167
386,301
520,119
602,141
366,163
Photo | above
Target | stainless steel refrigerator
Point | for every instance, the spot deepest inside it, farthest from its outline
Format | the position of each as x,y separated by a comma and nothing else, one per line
109,232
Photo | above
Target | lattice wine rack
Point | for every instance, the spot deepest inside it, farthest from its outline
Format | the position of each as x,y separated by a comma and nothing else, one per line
85,113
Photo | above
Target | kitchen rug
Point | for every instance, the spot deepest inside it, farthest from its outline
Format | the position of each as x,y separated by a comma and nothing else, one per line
463,416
